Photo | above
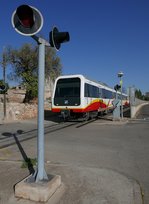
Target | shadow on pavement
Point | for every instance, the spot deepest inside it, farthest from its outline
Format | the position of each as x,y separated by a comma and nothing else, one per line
50,116
24,155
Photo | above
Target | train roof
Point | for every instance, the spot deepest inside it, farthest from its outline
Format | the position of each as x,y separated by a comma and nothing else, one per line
85,77
102,84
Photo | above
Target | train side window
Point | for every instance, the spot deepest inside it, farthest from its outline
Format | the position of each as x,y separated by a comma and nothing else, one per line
100,93
95,92
103,93
91,91
113,94
86,92
107,94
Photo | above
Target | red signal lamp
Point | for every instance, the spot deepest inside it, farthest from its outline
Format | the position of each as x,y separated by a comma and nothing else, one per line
25,15
27,20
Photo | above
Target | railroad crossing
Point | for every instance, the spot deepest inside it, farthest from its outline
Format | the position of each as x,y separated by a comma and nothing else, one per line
120,147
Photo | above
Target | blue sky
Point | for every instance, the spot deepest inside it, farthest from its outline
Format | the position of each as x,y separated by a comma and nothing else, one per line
106,36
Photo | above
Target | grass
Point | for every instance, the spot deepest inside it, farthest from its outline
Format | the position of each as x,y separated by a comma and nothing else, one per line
29,162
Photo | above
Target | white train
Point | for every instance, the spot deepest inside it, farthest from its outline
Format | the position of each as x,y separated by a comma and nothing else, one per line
75,96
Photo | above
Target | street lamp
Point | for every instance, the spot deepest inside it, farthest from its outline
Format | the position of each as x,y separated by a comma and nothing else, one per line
120,75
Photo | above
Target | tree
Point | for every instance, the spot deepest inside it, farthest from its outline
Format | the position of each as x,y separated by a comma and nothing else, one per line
24,63
25,67
138,94
141,96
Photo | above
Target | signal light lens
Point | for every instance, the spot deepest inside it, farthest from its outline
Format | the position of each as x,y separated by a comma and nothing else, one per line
27,20
25,15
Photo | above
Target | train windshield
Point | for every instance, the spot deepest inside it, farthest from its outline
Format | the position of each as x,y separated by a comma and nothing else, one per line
69,87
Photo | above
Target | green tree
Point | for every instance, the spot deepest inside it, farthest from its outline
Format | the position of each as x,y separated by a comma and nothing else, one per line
25,67
138,94
141,96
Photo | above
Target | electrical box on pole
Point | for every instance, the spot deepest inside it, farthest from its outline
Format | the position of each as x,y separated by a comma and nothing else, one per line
116,103
116,112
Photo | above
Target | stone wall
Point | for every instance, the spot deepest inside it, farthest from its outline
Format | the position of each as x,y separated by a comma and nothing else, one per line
19,111
14,95
16,109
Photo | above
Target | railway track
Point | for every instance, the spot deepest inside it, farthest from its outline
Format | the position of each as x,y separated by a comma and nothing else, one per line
8,139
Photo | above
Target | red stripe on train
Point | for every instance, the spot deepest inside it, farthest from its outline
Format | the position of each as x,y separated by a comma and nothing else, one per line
92,107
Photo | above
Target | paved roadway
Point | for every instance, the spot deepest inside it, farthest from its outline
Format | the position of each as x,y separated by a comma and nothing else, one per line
119,146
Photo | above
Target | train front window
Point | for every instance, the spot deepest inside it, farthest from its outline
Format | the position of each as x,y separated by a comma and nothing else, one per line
69,87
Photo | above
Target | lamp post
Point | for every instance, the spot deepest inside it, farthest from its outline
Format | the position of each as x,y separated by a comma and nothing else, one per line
120,75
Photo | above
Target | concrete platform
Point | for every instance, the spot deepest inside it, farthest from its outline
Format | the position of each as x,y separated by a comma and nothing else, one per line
41,191
80,185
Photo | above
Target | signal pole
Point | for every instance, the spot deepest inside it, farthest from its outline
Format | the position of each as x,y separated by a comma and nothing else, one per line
4,63
41,174
120,74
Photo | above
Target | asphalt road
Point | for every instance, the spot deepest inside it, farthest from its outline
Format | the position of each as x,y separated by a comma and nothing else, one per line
120,146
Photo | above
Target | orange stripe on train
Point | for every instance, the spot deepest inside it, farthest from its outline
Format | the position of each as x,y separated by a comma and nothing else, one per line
93,106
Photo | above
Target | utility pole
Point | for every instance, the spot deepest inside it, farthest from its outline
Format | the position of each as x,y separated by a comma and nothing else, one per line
4,63
120,75
40,174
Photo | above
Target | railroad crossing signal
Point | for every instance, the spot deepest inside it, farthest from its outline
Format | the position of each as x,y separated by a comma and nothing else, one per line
27,20
117,87
2,87
56,38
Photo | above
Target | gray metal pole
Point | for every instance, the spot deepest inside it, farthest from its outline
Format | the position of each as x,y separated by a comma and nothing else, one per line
41,173
120,74
121,100
4,80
